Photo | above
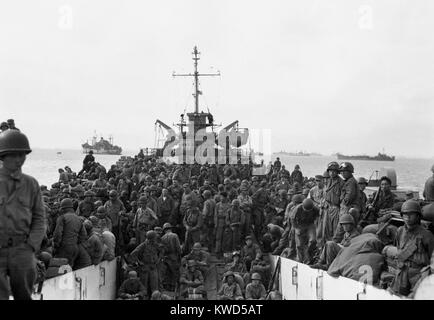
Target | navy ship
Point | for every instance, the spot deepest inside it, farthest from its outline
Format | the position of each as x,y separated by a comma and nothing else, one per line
379,157
102,146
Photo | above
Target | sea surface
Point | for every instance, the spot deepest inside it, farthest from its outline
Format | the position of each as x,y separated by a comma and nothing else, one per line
43,164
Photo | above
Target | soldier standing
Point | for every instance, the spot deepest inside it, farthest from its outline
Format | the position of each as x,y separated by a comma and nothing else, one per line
22,218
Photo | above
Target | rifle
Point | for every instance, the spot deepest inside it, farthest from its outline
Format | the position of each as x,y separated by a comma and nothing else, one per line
374,202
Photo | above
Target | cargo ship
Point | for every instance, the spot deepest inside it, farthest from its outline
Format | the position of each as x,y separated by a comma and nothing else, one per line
379,157
102,146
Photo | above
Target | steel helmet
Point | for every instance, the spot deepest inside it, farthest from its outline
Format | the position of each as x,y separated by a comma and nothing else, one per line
206,194
66,203
89,193
101,209
166,226
13,141
197,246
307,204
283,192
256,276
151,235
45,257
274,229
228,274
298,198
346,218
255,178
333,166
410,206
236,253
191,263
362,180
113,193
346,166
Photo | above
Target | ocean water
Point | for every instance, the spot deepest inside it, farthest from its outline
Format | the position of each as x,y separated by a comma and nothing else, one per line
43,164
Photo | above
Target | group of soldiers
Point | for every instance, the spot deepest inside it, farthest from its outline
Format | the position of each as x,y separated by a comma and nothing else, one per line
165,221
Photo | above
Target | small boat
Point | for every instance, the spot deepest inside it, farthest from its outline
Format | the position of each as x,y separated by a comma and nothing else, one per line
59,152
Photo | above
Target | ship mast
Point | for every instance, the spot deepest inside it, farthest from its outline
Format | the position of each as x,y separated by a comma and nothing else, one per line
196,76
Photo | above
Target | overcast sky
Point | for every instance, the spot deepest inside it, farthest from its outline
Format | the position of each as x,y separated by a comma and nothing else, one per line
324,76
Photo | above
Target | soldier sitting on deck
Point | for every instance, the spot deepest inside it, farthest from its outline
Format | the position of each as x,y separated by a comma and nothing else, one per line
230,290
199,256
255,290
132,288
191,281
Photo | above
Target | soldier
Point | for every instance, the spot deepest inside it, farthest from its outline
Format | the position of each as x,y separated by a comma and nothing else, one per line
93,244
22,219
277,164
147,255
249,252
297,175
230,290
207,237
191,280
350,189
237,265
172,256
115,208
103,222
384,202
221,212
317,192
303,222
415,246
428,191
4,126
235,220
246,204
260,198
193,222
332,248
69,233
166,207
200,257
332,202
255,290
11,125
144,220
132,288
363,199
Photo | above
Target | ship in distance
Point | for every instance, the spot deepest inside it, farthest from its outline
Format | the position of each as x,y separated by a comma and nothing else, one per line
379,157
102,146
299,153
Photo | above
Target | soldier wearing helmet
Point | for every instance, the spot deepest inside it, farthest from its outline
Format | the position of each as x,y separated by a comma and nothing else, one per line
415,247
144,220
332,248
332,203
115,208
260,199
11,125
256,290
428,191
22,218
363,199
237,265
172,257
166,207
193,221
207,236
297,175
230,289
68,234
191,280
235,220
132,288
148,255
350,188
303,220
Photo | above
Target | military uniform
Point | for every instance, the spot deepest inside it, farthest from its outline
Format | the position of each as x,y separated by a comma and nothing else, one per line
255,292
331,208
193,221
148,255
132,287
221,212
22,228
172,254
207,234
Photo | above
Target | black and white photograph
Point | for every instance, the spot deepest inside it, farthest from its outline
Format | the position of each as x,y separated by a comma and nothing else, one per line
223,151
